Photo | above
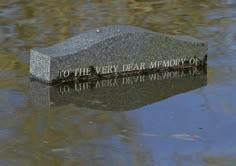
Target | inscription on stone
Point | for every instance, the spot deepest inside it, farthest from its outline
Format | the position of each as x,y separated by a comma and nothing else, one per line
109,69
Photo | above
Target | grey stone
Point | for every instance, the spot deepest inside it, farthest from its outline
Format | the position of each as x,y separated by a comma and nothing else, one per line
117,94
113,50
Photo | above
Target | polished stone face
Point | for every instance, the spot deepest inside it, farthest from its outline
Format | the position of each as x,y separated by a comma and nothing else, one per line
113,50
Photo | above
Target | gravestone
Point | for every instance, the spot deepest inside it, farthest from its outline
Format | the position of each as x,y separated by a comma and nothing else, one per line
115,51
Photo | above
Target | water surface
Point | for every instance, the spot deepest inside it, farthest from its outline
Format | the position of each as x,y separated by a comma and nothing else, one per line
176,121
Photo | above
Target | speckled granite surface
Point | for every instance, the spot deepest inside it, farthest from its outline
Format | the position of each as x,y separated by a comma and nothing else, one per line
114,49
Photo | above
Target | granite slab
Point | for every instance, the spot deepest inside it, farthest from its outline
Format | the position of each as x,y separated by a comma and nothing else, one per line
115,51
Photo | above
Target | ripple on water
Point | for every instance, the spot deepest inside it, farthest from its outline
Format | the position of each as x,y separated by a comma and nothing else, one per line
11,100
6,74
27,24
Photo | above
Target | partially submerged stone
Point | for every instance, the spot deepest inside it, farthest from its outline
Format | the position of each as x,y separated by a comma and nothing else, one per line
115,51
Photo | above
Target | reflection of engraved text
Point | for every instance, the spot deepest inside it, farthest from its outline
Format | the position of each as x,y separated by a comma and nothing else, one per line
133,80
167,75
106,83
109,83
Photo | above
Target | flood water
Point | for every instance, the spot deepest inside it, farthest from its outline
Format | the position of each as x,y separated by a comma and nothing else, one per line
178,119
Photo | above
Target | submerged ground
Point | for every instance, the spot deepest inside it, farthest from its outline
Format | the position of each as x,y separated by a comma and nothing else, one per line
164,120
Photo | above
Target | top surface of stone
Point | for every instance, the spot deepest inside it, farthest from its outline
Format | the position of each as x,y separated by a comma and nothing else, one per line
87,39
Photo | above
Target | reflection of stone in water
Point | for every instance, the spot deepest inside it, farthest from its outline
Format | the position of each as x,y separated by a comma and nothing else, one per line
120,94
80,86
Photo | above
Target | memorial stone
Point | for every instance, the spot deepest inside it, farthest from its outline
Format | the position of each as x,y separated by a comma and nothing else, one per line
115,51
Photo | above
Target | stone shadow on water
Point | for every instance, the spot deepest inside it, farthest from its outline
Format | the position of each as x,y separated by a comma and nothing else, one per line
119,94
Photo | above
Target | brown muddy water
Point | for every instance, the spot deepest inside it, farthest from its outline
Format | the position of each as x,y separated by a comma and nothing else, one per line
179,119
